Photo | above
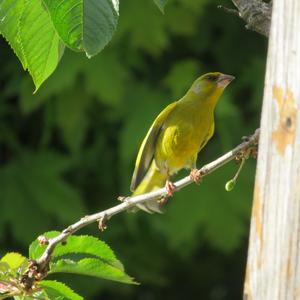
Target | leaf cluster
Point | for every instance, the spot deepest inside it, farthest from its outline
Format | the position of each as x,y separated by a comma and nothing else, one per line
84,255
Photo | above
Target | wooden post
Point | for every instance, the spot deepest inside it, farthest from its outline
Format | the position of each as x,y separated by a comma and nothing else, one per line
273,267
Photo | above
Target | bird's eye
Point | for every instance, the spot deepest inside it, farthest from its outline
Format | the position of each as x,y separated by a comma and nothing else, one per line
211,77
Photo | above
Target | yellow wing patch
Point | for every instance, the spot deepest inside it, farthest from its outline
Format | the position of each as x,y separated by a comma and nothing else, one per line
147,149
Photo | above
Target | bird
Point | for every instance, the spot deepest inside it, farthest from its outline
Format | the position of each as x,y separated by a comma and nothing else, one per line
176,137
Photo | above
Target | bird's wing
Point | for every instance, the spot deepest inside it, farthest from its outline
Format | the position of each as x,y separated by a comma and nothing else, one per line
147,149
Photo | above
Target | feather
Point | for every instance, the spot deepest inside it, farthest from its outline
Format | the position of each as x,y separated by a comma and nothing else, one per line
147,149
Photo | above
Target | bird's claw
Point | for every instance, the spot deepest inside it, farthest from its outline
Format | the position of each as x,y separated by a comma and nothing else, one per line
162,201
170,187
195,175
102,222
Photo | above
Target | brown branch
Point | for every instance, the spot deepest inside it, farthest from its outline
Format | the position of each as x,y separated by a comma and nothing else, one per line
256,13
41,265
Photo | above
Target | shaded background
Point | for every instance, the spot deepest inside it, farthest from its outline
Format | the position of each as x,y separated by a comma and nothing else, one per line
70,149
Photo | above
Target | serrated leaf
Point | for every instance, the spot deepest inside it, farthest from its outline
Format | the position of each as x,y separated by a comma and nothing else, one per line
36,250
83,244
59,289
84,25
91,267
161,4
29,30
92,246
13,259
10,14
41,45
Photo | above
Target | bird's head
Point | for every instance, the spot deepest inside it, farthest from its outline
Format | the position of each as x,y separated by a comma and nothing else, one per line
210,83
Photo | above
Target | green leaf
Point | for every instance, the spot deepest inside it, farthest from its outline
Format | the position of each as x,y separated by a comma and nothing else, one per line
84,25
58,290
82,80
161,4
83,244
41,46
13,259
91,267
10,14
28,29
11,266
103,264
47,289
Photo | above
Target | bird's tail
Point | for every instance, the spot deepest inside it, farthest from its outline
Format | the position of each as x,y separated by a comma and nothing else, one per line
153,180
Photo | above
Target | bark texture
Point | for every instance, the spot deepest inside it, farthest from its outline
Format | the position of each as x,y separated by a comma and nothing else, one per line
273,267
256,13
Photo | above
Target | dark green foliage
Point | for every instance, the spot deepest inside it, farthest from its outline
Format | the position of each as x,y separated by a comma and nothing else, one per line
69,150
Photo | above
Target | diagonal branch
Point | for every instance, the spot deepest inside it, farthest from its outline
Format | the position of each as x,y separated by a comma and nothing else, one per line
129,202
256,13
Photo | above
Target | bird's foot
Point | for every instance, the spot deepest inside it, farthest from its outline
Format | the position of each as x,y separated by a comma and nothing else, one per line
162,201
170,187
195,175
102,222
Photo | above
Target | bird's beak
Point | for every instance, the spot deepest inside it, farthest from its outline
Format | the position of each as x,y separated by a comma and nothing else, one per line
224,80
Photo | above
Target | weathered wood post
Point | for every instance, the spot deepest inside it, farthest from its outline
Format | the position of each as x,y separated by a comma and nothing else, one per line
273,267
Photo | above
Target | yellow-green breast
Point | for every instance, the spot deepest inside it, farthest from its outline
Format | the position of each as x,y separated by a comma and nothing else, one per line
180,140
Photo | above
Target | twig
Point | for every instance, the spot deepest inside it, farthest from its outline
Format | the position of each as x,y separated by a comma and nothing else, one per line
230,10
102,217
256,13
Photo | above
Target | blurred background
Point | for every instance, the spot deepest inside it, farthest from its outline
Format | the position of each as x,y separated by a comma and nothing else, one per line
69,149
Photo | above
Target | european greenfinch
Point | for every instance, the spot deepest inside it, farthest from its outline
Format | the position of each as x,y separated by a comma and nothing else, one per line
176,136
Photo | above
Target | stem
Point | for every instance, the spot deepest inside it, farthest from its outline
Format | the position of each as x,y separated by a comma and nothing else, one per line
131,201
239,169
